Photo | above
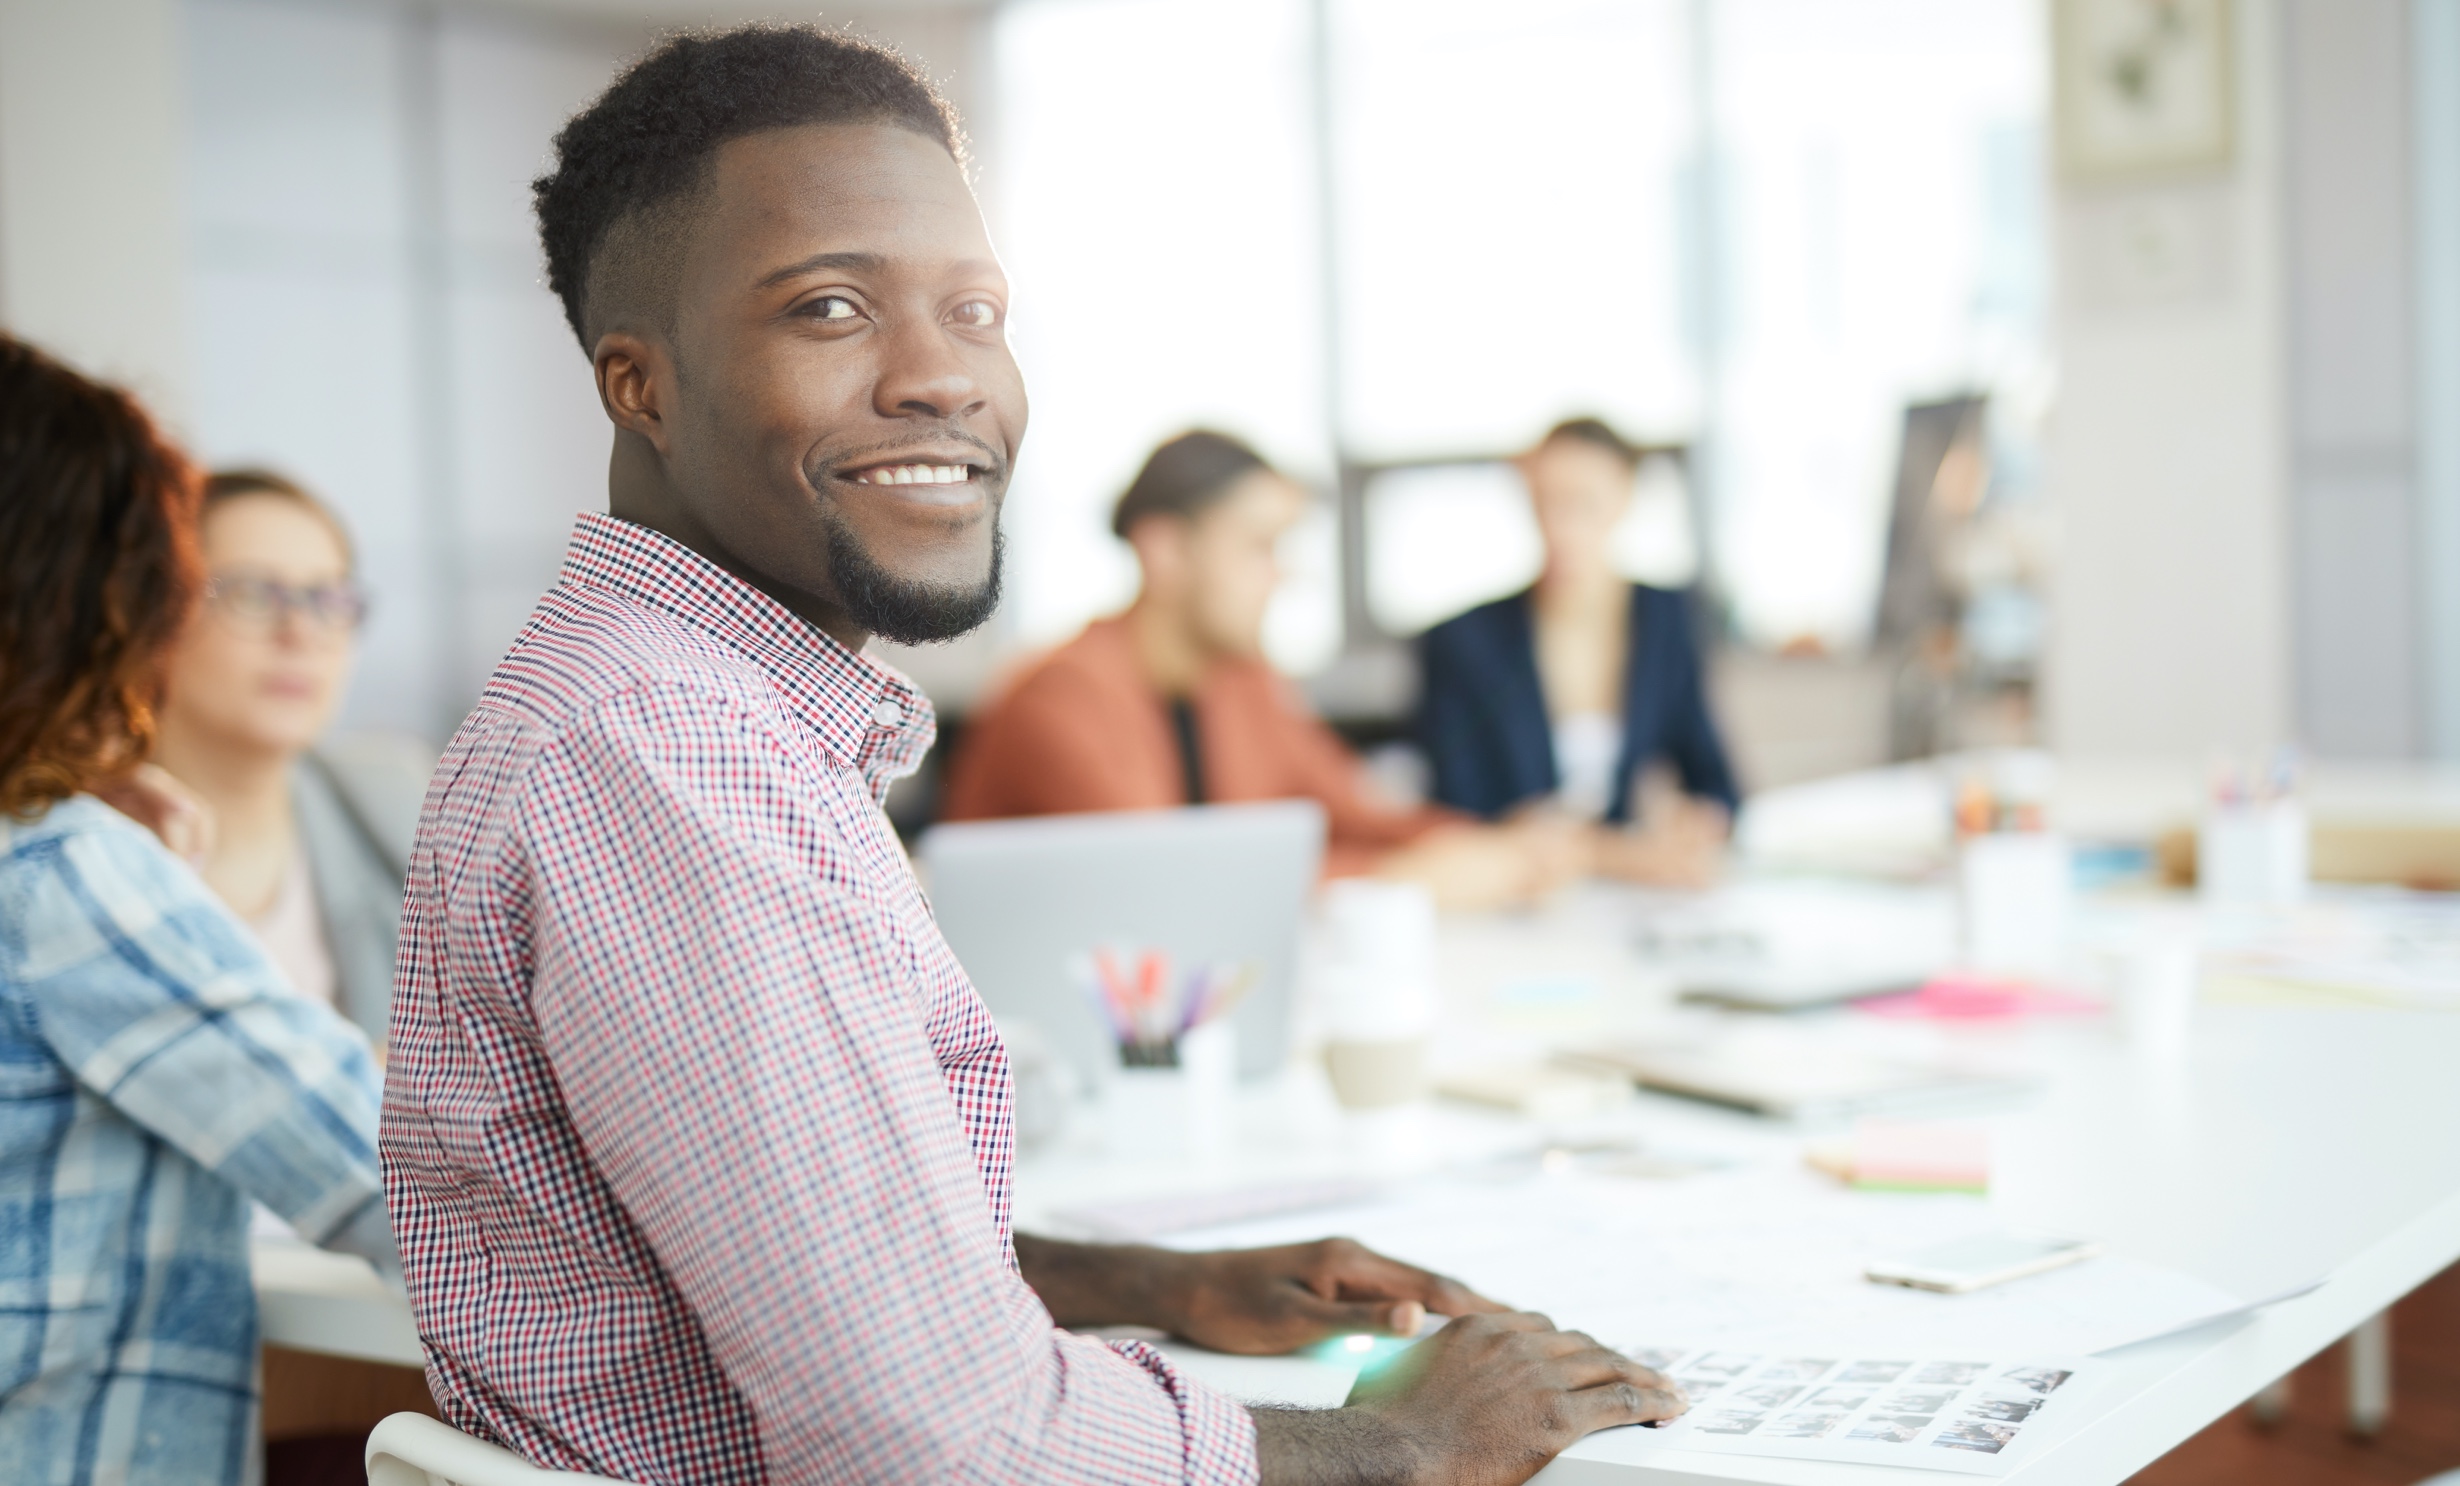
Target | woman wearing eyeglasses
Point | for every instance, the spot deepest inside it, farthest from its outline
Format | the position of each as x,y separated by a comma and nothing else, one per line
308,848
155,1074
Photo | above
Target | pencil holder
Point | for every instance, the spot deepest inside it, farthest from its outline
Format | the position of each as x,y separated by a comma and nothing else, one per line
1172,1098
2253,854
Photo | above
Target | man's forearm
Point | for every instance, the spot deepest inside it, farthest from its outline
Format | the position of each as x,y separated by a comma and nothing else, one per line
1099,1284
1330,1447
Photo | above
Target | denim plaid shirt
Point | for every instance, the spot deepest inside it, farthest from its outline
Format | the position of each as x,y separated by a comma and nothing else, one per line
155,1074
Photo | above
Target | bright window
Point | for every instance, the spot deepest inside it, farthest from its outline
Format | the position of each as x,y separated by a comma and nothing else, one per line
1757,226
1153,199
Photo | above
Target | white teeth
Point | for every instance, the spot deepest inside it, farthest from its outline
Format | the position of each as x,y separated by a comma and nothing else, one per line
917,474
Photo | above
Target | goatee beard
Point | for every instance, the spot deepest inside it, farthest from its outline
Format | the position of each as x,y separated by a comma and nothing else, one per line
899,609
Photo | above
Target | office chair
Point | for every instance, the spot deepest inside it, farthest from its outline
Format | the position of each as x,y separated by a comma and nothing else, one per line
414,1450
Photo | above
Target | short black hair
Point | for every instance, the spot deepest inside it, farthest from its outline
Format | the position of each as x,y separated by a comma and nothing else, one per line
646,144
1184,476
1597,433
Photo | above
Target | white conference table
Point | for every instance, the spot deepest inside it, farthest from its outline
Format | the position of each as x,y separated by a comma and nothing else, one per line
2288,1143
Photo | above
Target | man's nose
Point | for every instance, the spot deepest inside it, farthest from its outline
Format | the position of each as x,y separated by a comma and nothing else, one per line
925,374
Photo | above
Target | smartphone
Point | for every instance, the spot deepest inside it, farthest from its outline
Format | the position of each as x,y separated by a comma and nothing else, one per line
1978,1263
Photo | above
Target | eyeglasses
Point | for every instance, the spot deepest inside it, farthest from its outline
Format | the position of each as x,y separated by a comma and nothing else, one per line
263,603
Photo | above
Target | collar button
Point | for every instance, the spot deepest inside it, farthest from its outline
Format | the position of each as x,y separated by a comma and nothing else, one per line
887,713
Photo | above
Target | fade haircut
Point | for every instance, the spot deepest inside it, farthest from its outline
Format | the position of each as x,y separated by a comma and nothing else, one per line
613,214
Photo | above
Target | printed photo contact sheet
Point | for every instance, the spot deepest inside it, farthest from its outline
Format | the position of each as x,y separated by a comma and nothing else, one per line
1977,1416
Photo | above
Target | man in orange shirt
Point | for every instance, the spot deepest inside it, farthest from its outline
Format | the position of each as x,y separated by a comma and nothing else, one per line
1172,703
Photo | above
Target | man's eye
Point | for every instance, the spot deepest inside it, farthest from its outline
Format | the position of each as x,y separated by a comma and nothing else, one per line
978,312
832,307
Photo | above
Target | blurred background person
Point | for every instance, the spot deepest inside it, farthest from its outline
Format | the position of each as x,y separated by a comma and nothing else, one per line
124,1181
308,847
1564,695
1172,702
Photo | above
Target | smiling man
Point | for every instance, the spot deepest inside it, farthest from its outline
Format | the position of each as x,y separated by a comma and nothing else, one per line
696,1137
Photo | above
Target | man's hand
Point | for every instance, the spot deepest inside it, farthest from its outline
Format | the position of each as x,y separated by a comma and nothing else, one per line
1484,1402
1276,1300
1241,1300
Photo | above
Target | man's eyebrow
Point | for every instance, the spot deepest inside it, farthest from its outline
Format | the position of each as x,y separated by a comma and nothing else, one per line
858,262
861,262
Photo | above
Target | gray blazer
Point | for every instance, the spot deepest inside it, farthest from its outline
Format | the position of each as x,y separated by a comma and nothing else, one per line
357,803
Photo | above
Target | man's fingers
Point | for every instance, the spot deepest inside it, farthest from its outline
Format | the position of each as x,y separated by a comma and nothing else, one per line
1590,1365
1610,1404
1449,1297
1361,1273
1389,1317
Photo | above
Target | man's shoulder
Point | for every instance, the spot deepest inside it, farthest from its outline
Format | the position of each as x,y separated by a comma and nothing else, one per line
586,656
584,648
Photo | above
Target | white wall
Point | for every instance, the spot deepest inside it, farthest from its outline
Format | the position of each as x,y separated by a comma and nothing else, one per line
2349,174
2258,543
2167,456
2435,89
370,313
92,243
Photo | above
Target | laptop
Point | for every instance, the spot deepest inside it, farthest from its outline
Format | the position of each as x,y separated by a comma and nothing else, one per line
1212,889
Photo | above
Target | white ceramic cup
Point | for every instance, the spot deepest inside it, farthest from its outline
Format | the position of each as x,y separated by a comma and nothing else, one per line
2153,980
1375,985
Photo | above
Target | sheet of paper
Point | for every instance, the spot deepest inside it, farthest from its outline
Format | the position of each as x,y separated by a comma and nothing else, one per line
1751,1258
1983,1415
2381,946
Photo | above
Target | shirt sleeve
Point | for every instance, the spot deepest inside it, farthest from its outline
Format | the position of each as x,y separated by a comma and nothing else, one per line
159,1002
738,1038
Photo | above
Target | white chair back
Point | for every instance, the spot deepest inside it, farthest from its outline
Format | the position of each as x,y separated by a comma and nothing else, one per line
414,1450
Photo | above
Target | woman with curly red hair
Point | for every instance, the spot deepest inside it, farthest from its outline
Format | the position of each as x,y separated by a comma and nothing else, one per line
155,1070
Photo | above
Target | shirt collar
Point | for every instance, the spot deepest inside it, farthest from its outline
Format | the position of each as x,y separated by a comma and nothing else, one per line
863,712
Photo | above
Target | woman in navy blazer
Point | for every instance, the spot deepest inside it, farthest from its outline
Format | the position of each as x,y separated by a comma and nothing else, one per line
1565,691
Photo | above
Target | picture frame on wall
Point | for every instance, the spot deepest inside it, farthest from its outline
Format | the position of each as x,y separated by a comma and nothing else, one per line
2143,88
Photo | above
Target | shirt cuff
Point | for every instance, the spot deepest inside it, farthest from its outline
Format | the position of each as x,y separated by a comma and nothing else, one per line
1219,1434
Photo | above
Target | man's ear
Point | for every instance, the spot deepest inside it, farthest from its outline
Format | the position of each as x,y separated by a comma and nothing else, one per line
636,381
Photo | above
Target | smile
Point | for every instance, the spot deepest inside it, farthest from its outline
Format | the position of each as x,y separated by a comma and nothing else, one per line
914,474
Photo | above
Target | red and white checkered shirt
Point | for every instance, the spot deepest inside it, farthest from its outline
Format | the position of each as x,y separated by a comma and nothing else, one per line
696,1136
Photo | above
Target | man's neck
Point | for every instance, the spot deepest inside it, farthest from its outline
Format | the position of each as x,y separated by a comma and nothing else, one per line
639,491
1168,651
